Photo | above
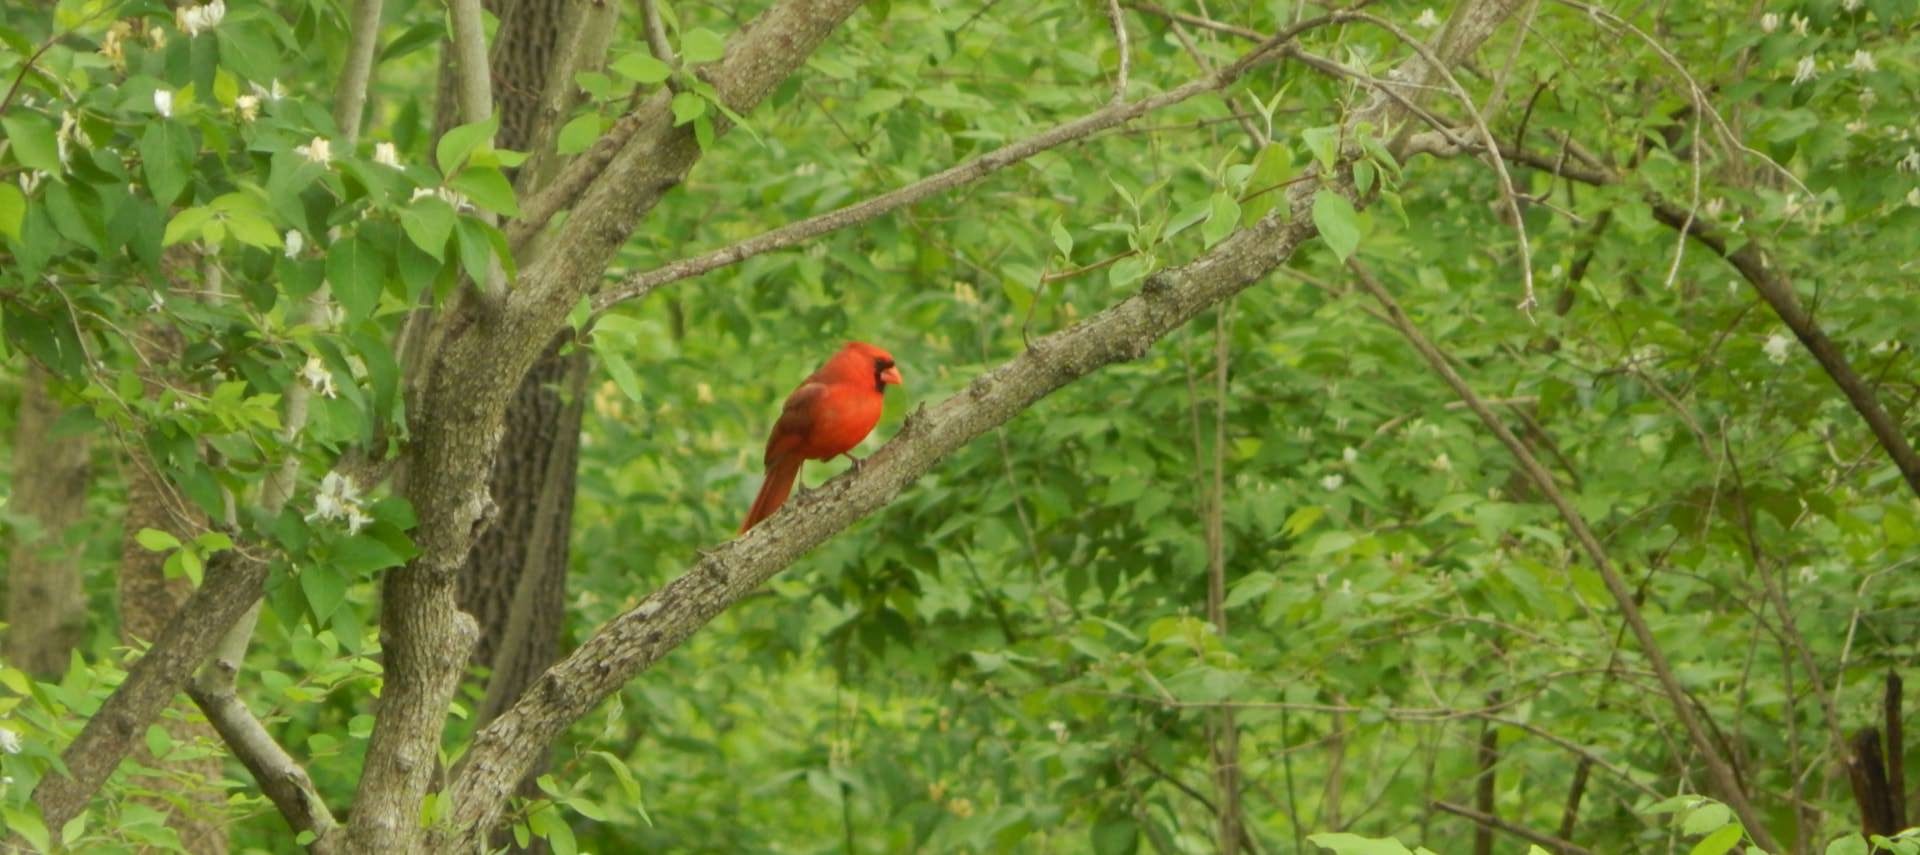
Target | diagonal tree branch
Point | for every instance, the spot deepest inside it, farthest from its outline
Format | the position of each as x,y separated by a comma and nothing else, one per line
280,776
1725,780
1114,114
636,640
1769,281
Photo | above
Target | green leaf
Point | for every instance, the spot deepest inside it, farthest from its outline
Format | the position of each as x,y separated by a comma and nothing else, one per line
1343,843
1338,223
488,188
580,134
457,145
362,556
155,540
166,154
687,107
641,68
1222,219
13,210
620,371
26,822
1719,842
1852,844
32,141
428,222
325,587
1705,818
1324,143
357,268
1329,542
1062,239
702,45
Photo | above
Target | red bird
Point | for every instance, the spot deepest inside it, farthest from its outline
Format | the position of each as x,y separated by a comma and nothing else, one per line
826,417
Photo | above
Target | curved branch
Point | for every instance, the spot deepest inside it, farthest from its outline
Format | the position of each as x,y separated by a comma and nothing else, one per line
1116,113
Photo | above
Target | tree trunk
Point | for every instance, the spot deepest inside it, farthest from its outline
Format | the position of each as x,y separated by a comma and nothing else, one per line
46,607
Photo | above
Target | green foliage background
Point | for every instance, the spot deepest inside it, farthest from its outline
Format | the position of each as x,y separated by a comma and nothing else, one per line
1014,655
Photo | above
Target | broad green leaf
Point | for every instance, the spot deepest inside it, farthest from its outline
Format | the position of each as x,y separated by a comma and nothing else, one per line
31,139
1719,842
579,134
641,68
1338,223
702,45
155,540
488,188
357,269
1222,218
428,222
458,144
687,106
1705,818
13,210
1343,843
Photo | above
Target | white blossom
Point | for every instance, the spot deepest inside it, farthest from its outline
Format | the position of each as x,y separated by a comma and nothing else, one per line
1850,5
1442,463
1863,62
1332,482
295,242
1059,729
163,102
30,181
1346,587
195,20
1880,347
248,106
1913,197
316,376
1910,163
357,519
451,197
386,154
157,37
1808,575
1868,97
1348,455
1778,348
1714,207
338,499
68,134
319,151
1805,70
1799,23
9,740
1769,22
1427,20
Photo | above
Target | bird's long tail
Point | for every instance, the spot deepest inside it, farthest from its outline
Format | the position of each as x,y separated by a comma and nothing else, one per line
773,491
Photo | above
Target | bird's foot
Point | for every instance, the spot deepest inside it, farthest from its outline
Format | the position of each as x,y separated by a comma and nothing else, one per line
853,460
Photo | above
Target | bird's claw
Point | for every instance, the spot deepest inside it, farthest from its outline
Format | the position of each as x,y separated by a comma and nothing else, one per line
855,461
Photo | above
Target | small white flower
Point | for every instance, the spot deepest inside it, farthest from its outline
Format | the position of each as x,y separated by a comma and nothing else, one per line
1346,587
69,133
295,242
357,519
1850,5
1442,463
1427,20
1805,70
386,154
319,151
1856,127
1348,455
1913,197
1769,22
195,20
163,102
156,301
9,740
1332,482
1868,97
1863,62
1881,347
30,181
1799,23
1778,348
157,37
1059,729
264,93
1714,207
248,106
316,376
1808,575
1910,163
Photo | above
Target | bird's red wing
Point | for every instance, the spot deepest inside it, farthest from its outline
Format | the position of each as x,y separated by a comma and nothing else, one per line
796,420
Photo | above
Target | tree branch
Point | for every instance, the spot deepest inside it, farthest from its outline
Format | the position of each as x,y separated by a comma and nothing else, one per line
1112,115
278,774
1768,281
232,584
1489,821
634,641
1724,778
350,99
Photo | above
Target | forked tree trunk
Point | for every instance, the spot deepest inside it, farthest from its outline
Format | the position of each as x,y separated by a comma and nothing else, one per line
46,606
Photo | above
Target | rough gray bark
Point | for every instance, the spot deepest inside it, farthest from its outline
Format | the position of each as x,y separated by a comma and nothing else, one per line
46,607
637,639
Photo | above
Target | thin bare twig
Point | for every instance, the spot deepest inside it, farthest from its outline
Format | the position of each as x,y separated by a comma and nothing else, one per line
1486,820
1119,23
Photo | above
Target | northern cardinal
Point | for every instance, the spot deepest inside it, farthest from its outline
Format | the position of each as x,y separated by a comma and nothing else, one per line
832,411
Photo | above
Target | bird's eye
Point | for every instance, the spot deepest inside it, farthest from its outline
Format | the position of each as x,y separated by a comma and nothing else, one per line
884,364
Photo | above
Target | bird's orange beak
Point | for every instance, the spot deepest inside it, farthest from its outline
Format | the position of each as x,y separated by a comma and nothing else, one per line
892,375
